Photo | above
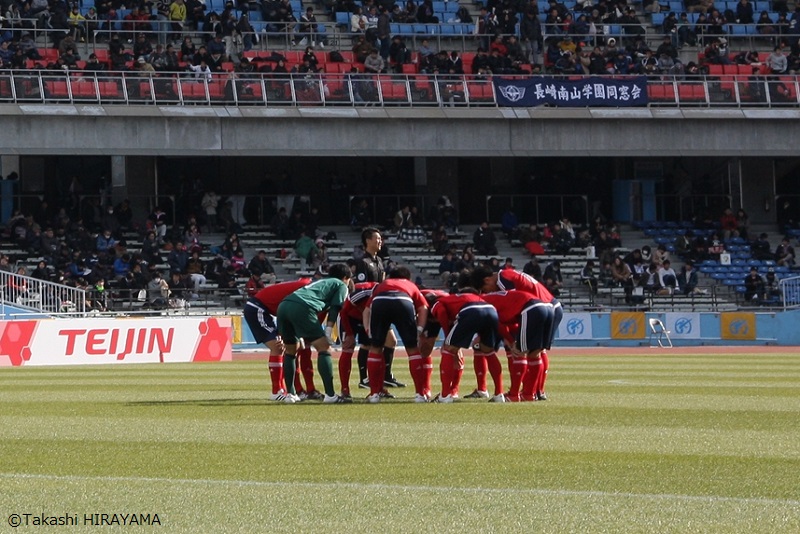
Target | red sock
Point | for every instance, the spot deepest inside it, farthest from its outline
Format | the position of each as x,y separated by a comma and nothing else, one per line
415,367
276,372
518,367
306,367
458,373
496,370
298,385
543,373
426,372
375,369
447,371
345,365
481,368
531,378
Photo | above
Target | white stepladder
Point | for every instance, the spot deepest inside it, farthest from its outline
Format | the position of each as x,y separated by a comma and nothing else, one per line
660,332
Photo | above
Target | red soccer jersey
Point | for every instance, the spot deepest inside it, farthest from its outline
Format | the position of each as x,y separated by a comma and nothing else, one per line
509,306
354,305
402,285
448,306
510,279
272,295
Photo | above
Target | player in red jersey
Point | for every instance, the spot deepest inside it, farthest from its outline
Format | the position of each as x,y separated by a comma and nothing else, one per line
396,301
524,324
463,316
259,312
351,331
485,280
427,341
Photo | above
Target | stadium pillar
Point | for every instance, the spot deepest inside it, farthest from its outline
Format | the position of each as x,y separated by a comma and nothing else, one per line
133,178
8,164
758,189
435,177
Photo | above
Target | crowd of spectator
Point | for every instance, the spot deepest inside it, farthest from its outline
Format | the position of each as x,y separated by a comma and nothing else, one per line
119,260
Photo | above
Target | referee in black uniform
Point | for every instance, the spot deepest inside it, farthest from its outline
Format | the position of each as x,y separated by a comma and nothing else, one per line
370,269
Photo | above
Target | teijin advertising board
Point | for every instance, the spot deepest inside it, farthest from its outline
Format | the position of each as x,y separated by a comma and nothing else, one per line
100,341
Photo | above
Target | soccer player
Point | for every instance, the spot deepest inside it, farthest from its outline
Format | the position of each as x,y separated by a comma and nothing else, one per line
352,332
524,326
370,269
298,320
484,280
259,312
396,301
463,316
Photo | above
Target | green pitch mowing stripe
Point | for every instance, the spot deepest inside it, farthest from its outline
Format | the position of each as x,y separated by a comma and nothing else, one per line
662,443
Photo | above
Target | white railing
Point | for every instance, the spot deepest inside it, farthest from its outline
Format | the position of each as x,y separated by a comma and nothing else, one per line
357,89
790,292
41,296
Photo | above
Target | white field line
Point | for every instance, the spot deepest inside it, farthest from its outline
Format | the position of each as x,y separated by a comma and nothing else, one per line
401,487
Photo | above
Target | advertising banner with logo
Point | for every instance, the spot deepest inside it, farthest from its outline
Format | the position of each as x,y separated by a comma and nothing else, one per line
627,325
683,325
575,326
96,341
737,325
591,91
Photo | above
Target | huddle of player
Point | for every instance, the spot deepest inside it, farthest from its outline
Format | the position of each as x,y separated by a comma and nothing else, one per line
492,307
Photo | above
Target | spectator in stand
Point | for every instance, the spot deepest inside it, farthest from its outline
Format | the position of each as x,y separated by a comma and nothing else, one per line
466,261
195,267
667,278
484,239
772,288
439,239
509,223
261,264
742,223
254,284
765,25
587,276
761,249
777,62
728,224
784,253
753,285
687,279
553,279
660,255
621,273
532,268
374,63
106,242
178,257
561,240
744,12
448,270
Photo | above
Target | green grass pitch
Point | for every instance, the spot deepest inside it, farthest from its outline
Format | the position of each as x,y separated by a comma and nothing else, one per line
659,442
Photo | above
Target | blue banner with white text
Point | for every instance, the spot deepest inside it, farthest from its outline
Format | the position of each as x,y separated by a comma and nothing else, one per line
592,91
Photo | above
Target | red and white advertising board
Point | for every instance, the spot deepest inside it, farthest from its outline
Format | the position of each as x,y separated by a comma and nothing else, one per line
100,341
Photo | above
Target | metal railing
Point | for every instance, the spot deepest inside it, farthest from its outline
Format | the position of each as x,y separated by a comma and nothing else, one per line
790,292
346,89
41,296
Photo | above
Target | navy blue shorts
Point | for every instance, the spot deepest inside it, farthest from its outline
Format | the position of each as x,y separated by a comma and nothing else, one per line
558,314
260,321
353,327
393,309
534,326
474,319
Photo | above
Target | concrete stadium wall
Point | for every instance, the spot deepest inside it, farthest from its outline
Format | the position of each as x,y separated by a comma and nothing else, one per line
243,131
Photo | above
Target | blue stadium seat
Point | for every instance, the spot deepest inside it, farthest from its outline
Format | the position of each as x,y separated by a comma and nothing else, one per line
451,7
